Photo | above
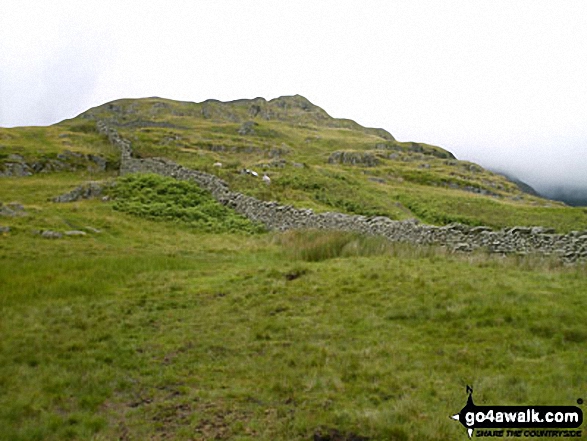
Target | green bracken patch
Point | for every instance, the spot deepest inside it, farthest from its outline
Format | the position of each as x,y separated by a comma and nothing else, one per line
159,198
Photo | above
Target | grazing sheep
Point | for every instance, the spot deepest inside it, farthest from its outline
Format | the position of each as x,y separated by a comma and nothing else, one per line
254,173
218,164
266,179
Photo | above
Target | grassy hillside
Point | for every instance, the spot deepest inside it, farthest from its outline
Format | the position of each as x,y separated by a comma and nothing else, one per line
170,317
156,329
314,159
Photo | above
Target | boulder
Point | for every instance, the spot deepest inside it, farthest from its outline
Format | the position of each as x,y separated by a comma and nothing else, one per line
48,234
12,210
247,128
87,191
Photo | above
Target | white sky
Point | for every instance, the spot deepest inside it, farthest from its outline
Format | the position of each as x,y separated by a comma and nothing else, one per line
503,83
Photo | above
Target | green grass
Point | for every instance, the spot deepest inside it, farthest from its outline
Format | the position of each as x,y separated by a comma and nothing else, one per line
154,329
38,143
177,319
410,181
293,146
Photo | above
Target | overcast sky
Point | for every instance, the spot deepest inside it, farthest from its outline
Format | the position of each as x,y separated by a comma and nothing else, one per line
502,83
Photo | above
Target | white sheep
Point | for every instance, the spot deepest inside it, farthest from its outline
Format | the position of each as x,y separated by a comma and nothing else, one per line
266,179
218,164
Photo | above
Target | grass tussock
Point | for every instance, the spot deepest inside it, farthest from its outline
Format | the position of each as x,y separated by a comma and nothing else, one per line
319,245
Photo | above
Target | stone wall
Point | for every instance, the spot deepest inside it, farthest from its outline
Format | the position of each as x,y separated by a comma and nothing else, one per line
570,247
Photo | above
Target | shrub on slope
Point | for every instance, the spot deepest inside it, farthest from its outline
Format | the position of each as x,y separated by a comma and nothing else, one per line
161,198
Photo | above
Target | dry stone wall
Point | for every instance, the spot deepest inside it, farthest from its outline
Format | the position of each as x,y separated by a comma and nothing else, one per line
571,247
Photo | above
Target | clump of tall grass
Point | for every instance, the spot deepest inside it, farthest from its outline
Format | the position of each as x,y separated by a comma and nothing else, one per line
315,245
319,245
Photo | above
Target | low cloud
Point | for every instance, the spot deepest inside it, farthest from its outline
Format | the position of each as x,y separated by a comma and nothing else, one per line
555,168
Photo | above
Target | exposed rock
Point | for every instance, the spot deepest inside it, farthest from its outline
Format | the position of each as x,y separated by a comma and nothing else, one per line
276,163
93,230
472,167
12,210
65,161
75,233
353,158
87,191
476,230
16,207
7,212
99,161
462,246
520,230
247,128
542,230
48,234
4,229
206,112
67,155
254,110
16,169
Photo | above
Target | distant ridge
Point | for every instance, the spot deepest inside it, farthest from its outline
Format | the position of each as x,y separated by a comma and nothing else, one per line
574,196
570,195
523,186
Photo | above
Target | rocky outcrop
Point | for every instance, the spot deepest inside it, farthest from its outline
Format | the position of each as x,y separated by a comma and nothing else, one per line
87,191
569,247
414,147
50,234
247,128
12,210
353,158
16,165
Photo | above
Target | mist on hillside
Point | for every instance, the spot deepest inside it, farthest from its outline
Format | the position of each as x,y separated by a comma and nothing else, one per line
558,171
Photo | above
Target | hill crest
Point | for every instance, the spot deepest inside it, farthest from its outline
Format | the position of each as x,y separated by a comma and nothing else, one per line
314,161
